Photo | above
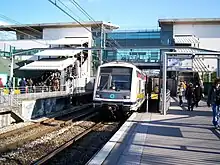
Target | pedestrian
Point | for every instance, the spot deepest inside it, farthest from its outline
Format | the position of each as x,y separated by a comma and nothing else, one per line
198,94
190,96
180,93
22,85
214,101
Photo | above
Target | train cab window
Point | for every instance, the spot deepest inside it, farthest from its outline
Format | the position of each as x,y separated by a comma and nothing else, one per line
103,81
117,78
121,82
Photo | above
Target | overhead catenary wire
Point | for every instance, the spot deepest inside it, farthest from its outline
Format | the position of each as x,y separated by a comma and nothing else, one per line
77,5
34,38
80,8
18,23
55,4
90,17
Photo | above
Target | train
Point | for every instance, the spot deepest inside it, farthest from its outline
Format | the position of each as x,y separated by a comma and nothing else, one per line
119,88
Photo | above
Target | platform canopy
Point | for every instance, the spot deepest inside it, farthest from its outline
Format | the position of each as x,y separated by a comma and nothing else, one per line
70,41
49,64
185,39
58,52
187,50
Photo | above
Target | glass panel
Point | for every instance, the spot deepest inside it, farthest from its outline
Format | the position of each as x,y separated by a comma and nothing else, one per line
122,82
117,78
134,55
133,35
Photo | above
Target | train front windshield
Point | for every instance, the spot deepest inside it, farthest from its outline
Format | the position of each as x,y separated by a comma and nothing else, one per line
117,78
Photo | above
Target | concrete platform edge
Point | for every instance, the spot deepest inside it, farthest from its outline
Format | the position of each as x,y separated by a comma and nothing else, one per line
101,155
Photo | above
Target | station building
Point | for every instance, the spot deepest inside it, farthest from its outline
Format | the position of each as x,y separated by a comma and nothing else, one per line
32,39
199,33
135,46
141,47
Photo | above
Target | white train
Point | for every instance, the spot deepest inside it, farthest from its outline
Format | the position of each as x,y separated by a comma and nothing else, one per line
119,87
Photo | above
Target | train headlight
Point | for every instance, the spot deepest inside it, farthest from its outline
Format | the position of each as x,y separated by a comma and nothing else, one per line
97,96
127,97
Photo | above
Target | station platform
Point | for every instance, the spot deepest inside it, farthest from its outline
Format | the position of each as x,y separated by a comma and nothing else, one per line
31,106
181,137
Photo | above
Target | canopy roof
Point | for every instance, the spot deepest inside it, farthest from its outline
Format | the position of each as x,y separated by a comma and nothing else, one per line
70,41
58,52
49,64
185,39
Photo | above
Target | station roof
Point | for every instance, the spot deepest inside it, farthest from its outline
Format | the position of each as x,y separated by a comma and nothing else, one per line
41,26
49,64
184,39
58,52
69,41
189,21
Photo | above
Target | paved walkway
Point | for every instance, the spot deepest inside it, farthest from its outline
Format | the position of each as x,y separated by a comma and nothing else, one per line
181,137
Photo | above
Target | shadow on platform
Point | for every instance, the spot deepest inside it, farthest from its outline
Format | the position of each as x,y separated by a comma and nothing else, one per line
182,137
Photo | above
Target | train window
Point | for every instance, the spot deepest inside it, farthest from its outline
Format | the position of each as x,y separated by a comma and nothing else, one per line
114,82
142,87
117,70
139,86
137,90
103,83
115,78
121,82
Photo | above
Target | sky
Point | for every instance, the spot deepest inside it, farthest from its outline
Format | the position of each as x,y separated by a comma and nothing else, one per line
128,14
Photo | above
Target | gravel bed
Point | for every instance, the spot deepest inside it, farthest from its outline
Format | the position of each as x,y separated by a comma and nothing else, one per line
36,149
83,150
14,127
20,136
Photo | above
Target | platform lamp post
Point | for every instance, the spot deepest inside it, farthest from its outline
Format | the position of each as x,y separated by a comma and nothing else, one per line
164,91
12,67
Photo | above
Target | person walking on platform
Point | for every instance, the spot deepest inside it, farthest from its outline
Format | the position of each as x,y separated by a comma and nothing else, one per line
214,101
198,94
190,96
180,93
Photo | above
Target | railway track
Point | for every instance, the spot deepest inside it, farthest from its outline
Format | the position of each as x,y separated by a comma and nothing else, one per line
86,136
82,150
37,149
65,145
15,138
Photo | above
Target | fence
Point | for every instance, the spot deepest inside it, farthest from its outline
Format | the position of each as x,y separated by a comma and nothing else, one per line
13,97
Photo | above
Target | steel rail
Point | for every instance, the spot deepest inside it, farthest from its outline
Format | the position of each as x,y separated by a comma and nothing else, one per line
65,145
52,125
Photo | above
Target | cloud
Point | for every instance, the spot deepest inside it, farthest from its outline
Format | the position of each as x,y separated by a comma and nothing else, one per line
4,23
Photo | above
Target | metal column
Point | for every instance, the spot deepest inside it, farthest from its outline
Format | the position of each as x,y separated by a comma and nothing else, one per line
164,94
101,51
62,80
12,68
218,67
12,64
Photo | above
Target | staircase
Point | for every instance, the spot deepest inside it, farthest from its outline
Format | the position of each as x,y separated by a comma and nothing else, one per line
12,106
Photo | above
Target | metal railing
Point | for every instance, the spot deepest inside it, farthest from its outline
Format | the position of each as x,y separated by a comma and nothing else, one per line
14,96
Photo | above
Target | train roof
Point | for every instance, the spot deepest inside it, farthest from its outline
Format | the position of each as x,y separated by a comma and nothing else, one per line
122,64
117,63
